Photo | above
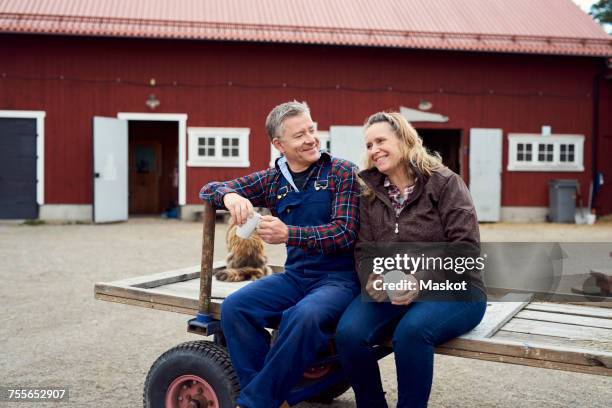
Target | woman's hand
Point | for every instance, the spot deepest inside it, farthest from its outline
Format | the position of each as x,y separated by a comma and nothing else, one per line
378,295
406,297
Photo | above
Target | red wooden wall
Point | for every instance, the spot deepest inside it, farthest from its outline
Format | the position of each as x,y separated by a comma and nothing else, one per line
73,79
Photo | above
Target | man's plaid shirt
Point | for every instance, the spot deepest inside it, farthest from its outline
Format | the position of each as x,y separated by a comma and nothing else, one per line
261,188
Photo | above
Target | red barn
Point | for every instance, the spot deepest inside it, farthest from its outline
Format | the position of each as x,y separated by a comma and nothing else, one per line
513,94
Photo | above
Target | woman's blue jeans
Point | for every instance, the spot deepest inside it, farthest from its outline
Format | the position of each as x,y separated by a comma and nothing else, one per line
415,329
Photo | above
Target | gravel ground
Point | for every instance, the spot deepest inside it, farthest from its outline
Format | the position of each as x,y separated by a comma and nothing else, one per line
54,333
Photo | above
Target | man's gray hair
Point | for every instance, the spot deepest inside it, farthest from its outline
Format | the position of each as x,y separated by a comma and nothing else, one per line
276,117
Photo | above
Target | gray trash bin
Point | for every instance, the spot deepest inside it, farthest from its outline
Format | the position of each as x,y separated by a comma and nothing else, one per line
562,200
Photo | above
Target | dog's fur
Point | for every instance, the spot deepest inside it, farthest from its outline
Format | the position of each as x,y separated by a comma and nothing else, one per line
245,258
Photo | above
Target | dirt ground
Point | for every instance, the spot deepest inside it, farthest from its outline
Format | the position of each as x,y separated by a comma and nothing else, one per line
54,333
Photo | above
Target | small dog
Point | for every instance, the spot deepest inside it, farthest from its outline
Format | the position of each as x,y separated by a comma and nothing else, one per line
245,259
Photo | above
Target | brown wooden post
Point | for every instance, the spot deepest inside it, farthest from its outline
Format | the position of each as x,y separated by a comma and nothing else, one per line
208,249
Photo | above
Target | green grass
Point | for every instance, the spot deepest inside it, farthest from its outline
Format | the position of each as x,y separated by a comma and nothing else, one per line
33,222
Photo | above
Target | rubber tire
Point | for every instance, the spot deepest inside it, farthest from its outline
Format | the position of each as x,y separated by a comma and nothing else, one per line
202,358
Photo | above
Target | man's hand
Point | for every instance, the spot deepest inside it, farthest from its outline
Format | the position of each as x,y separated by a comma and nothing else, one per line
406,297
379,295
239,207
272,230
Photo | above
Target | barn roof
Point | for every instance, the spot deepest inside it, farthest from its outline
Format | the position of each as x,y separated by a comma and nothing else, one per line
517,26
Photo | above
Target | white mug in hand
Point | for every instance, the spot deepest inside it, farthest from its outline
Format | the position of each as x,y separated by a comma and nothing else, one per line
245,230
395,278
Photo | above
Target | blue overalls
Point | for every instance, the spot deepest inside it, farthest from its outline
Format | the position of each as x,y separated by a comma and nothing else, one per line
305,302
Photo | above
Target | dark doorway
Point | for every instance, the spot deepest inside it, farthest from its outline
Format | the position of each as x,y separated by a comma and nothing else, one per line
18,168
447,142
153,162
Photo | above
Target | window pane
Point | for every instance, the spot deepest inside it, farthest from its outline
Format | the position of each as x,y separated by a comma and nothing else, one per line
235,152
520,157
571,148
570,157
528,148
520,148
211,141
563,148
528,155
201,141
225,142
211,151
563,157
235,142
225,152
201,151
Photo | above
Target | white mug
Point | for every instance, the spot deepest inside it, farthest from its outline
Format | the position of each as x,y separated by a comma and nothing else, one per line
394,277
245,230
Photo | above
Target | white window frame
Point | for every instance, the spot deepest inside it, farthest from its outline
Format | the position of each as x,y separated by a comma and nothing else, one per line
556,140
323,138
195,160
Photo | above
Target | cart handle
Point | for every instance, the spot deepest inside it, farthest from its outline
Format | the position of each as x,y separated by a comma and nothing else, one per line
208,249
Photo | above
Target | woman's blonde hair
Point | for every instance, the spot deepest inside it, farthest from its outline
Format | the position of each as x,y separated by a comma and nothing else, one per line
414,154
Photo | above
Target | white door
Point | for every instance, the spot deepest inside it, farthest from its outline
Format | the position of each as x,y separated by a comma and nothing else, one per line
485,172
110,163
347,142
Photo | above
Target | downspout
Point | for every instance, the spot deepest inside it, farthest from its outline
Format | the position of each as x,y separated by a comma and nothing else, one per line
595,129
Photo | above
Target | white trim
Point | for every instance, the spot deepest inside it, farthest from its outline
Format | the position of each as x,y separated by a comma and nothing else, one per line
218,161
523,214
40,146
71,212
556,140
181,118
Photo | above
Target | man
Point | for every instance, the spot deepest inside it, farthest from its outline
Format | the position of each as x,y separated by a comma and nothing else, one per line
314,201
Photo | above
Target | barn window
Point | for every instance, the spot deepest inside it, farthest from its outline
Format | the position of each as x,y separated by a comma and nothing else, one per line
534,152
218,147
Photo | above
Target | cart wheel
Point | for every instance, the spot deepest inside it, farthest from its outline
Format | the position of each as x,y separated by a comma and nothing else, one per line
197,374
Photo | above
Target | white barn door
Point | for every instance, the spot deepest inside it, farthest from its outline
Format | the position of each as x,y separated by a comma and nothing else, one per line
485,172
347,142
110,164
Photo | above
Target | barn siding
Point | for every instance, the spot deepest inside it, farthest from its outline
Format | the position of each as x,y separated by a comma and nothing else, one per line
70,105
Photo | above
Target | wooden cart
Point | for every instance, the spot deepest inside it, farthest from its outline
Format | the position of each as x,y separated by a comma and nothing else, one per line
521,331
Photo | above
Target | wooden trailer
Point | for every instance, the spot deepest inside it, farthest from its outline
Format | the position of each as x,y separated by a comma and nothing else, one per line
516,330
552,335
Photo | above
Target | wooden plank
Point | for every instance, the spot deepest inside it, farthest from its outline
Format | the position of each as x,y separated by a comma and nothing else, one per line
215,307
164,278
547,341
571,355
558,330
565,318
148,305
589,311
597,370
497,314
147,295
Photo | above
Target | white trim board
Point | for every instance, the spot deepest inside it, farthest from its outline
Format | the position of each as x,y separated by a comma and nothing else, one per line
181,118
40,146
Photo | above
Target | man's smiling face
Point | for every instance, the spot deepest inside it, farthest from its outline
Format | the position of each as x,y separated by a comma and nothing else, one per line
299,142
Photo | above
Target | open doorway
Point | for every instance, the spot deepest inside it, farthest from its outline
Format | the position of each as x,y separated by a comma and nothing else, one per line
153,167
447,142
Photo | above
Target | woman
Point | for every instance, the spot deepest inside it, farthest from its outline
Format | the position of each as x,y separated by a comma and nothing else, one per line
409,196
